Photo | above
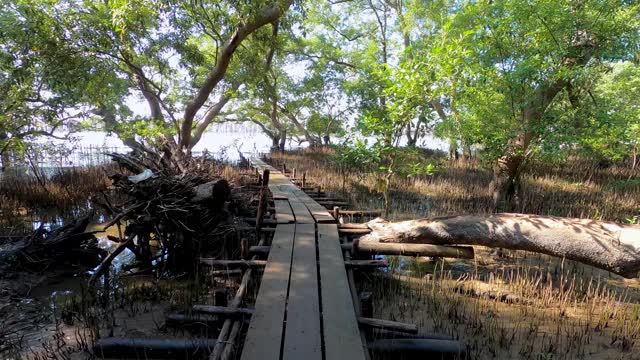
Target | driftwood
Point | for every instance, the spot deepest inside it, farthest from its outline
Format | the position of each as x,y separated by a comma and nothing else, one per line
172,199
214,193
388,325
605,245
106,263
45,247
144,348
353,231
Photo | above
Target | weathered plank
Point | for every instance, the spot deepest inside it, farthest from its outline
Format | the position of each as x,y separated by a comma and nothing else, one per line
265,329
284,214
302,333
300,211
341,334
319,212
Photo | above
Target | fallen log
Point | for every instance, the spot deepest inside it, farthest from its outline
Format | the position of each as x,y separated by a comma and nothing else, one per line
461,252
46,247
605,245
362,212
213,192
144,348
353,231
388,325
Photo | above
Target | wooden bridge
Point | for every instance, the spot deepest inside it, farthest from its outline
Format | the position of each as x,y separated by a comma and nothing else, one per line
304,308
307,306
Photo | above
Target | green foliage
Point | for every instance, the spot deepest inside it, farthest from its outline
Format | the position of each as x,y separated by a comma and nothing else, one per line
561,74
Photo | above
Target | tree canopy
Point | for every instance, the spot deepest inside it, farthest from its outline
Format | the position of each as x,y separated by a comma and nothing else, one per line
513,79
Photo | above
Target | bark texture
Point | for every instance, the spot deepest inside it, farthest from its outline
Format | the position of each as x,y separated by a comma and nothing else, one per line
605,245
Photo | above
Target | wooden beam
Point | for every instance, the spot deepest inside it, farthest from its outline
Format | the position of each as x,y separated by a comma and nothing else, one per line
302,334
233,263
227,272
419,348
263,250
222,310
388,325
264,336
341,334
366,263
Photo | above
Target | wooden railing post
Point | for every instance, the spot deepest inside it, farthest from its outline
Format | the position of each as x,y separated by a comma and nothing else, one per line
262,203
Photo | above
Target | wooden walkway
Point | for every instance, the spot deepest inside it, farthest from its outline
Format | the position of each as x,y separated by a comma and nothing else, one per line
304,309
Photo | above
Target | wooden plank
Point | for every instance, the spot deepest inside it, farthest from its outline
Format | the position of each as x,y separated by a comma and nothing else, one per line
284,214
265,329
302,332
341,334
300,211
319,212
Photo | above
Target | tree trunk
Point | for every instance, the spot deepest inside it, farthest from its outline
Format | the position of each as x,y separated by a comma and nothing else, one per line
605,245
266,15
453,149
6,159
411,139
466,150
283,139
505,185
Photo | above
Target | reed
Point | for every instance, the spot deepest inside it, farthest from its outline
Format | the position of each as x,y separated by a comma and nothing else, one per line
575,188
515,305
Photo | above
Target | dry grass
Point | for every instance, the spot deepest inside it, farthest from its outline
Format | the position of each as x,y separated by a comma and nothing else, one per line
575,189
519,306
65,193
524,307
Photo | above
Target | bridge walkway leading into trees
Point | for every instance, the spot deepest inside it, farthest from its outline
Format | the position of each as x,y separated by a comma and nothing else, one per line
304,308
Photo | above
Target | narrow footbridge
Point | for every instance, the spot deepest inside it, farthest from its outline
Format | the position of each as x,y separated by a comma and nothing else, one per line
304,307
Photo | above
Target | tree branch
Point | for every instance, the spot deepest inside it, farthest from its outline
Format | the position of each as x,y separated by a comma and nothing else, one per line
267,15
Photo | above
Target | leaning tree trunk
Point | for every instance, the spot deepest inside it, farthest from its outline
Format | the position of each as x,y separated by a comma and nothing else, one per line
283,140
505,185
605,245
453,150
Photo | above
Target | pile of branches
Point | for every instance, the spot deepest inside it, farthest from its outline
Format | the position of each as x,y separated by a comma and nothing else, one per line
42,248
177,204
